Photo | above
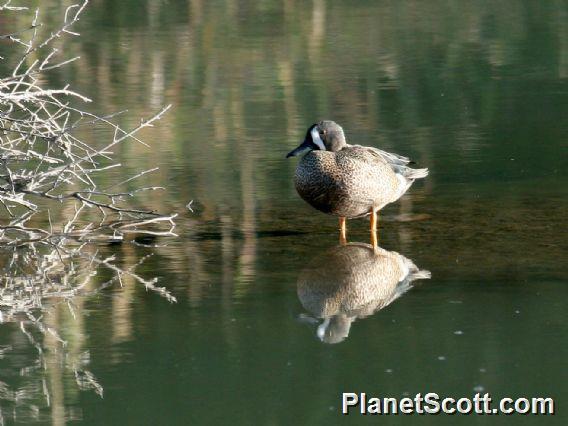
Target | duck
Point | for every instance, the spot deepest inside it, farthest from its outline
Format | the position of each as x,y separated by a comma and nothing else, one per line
352,281
349,181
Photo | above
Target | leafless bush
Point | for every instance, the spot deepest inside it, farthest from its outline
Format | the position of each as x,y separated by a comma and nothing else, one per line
46,167
42,158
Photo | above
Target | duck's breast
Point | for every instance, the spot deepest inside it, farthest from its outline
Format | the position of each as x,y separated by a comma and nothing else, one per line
317,180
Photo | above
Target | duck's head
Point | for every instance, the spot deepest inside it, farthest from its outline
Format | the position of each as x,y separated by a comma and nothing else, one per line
324,136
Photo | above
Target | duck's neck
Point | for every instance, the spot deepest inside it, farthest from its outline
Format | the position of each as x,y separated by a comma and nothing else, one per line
335,145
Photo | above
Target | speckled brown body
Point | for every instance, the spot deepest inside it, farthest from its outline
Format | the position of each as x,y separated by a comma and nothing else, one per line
347,183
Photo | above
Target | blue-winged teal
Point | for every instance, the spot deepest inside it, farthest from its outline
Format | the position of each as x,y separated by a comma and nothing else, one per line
353,281
349,181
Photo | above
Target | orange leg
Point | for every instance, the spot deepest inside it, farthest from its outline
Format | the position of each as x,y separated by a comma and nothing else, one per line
374,225
342,231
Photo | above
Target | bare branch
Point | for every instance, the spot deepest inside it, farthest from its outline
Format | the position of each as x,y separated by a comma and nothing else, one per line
41,156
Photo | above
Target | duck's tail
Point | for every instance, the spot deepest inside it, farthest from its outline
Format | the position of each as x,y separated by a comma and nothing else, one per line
415,273
420,274
415,173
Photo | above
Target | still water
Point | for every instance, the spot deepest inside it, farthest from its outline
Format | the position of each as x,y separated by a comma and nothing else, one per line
475,91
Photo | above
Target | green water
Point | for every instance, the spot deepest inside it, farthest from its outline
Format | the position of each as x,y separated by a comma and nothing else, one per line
475,91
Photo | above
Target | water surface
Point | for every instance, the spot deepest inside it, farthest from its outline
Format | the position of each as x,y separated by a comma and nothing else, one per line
475,91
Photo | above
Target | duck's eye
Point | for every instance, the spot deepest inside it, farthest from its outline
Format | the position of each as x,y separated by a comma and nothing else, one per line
322,132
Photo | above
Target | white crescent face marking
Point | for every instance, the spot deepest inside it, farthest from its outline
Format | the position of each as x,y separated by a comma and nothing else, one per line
316,138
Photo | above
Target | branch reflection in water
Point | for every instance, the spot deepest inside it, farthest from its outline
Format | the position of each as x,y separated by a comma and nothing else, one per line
352,281
44,344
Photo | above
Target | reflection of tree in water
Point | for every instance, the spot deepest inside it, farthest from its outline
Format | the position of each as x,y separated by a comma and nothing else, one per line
353,281
427,77
44,288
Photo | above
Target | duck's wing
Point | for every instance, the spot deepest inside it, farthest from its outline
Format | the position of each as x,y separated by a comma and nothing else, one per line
398,163
388,157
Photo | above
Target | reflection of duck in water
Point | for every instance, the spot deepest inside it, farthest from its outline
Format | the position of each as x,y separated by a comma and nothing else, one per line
353,281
